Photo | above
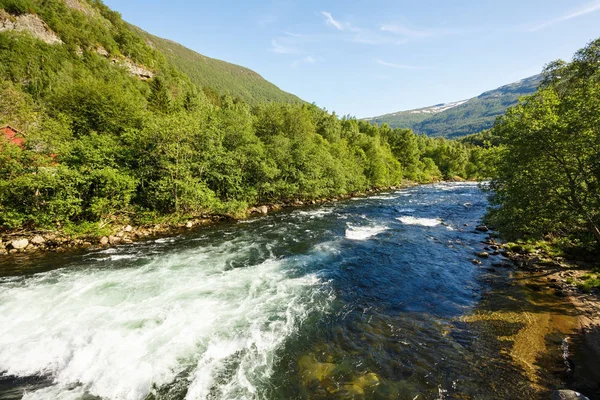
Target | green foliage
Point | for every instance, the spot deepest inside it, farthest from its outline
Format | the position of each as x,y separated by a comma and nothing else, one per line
104,146
547,175
476,115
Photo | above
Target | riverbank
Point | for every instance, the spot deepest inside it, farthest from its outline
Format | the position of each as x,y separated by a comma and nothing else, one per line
121,232
542,272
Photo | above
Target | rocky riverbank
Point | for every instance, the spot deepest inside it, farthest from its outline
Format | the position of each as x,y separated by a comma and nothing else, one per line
540,272
123,233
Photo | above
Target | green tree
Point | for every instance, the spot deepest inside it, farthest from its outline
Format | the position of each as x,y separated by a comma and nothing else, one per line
548,173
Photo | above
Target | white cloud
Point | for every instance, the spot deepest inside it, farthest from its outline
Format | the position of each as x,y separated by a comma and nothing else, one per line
279,48
399,66
305,60
407,32
296,35
587,9
330,21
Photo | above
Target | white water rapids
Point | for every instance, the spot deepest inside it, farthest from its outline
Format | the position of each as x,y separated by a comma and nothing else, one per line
119,333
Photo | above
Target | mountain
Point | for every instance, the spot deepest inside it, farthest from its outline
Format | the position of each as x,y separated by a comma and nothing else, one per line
84,26
223,77
464,117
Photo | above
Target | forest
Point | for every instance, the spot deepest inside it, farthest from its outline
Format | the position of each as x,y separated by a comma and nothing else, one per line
546,175
106,147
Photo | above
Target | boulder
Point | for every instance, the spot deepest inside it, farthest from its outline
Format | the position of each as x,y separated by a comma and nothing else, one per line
567,395
264,210
19,244
104,241
482,228
114,240
482,254
189,224
38,240
128,228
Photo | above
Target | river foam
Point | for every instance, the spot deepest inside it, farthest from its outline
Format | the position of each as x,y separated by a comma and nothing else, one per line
410,220
354,232
118,332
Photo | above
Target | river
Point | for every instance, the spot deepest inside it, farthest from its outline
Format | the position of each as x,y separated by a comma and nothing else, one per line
373,297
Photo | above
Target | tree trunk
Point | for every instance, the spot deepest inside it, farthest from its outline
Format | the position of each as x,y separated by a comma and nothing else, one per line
595,230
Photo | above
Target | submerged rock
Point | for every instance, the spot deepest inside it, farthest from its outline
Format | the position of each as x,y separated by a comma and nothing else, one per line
482,228
482,254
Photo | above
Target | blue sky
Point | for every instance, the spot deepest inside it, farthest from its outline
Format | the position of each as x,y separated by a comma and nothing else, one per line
367,58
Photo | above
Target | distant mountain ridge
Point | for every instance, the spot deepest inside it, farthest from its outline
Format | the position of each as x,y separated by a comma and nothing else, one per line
461,118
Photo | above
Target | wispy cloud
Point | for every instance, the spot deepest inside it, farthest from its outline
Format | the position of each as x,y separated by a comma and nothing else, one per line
331,21
414,34
292,34
282,48
305,60
374,38
587,9
399,66
405,31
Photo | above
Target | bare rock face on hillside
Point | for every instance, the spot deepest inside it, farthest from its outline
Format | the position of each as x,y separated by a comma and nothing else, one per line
133,68
80,6
29,23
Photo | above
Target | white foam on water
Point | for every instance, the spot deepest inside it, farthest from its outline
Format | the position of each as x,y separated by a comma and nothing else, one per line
383,197
114,333
364,232
313,214
407,210
410,220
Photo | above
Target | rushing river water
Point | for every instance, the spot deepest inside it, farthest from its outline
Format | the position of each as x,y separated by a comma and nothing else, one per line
366,298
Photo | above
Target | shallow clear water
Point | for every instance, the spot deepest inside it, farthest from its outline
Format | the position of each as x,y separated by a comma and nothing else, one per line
359,299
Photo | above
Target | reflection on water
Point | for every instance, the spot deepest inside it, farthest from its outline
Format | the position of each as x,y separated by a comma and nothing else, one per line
373,298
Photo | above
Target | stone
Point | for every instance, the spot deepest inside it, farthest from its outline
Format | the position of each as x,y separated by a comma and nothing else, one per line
128,228
189,224
104,241
476,262
114,239
567,395
482,254
19,244
30,23
264,210
38,240
482,228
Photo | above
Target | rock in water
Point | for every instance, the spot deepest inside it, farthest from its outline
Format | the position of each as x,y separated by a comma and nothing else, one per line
264,210
567,395
482,228
482,254
19,244
104,241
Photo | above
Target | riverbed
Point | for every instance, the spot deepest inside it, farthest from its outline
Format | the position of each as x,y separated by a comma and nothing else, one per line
371,298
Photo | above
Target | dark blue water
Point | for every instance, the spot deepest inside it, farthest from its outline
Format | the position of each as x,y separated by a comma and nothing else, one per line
357,299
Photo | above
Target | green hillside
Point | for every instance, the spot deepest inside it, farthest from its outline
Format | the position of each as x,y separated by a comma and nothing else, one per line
462,118
223,77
